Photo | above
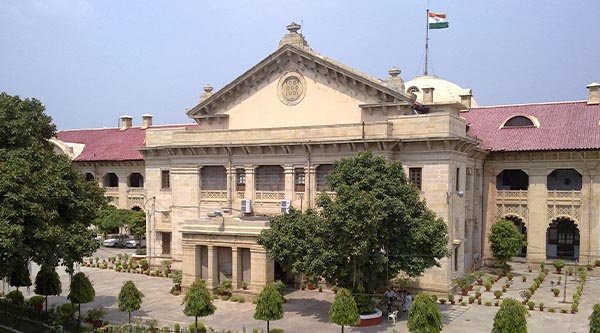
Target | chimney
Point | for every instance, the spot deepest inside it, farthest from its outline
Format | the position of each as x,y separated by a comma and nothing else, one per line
126,122
465,98
593,93
146,121
427,95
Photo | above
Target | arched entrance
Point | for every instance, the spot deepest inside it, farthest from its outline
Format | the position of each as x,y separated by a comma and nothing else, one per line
562,239
520,224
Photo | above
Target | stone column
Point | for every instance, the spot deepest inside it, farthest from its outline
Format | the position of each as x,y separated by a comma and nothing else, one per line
231,193
212,281
185,195
588,249
288,173
235,268
489,215
310,188
537,224
191,265
249,194
262,269
123,190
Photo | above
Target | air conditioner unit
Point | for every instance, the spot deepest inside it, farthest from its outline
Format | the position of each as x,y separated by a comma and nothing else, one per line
285,206
246,206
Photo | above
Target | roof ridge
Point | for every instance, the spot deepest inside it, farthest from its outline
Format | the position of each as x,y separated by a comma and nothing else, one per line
526,104
118,128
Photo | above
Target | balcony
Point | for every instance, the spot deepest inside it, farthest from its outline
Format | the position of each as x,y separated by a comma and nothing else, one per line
269,196
564,197
511,196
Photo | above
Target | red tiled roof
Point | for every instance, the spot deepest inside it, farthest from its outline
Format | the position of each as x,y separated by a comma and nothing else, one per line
110,144
563,125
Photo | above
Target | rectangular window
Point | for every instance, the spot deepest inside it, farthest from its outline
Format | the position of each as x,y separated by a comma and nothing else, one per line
213,178
166,243
299,180
458,179
416,175
165,179
322,173
456,258
240,179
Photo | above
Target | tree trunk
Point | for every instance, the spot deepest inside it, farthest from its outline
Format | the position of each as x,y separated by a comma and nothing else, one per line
79,319
129,316
268,326
196,325
342,328
46,303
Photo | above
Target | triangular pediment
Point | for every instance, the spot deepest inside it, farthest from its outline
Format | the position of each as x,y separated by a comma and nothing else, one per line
313,68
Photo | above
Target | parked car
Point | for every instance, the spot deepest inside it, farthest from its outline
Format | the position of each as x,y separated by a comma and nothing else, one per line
133,243
110,242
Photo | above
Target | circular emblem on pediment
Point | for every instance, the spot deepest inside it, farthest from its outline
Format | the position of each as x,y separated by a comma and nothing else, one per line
291,88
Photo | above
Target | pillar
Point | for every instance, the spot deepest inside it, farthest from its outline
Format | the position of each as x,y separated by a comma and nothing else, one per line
212,281
231,192
288,174
310,189
249,193
122,190
537,224
262,269
236,269
191,269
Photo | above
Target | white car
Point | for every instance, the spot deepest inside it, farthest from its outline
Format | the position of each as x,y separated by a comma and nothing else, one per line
133,243
111,242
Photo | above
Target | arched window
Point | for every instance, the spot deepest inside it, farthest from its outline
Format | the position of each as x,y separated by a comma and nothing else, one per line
135,180
110,180
515,179
519,121
564,179
412,90
89,177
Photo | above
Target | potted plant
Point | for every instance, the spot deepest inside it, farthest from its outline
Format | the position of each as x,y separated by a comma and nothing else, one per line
541,306
531,305
245,285
442,301
559,280
477,293
503,289
510,276
479,277
556,291
542,265
471,299
498,293
529,268
479,301
488,285
463,284
524,278
590,267
570,271
558,264
451,299
574,307
497,303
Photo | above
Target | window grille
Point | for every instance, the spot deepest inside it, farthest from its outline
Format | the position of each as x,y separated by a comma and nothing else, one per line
240,179
165,179
270,178
416,176
299,180
213,178
323,172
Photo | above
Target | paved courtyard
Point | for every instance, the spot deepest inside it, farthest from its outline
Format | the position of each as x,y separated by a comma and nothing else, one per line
306,311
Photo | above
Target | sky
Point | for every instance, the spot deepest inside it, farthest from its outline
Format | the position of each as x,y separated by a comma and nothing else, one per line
90,62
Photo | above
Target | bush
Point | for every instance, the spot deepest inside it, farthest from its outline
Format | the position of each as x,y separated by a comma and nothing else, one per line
531,305
199,328
244,285
15,297
425,316
556,292
66,312
595,319
225,287
488,285
498,293
177,277
144,264
558,264
95,314
552,310
505,241
541,306
510,318
36,301
277,330
281,287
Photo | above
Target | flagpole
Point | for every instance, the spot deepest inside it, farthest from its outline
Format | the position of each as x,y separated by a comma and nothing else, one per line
426,41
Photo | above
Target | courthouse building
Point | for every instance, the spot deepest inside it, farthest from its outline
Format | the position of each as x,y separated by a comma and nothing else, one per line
267,140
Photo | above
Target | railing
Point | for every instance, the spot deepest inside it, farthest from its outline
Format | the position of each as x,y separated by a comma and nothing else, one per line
266,196
136,191
331,194
111,191
511,194
213,195
565,195
240,194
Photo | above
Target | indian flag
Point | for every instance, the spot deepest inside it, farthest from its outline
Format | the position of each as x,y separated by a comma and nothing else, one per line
437,21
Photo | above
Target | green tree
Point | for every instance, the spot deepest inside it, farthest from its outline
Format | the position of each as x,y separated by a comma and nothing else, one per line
136,224
269,305
45,205
81,291
510,318
505,241
424,316
595,319
376,228
109,220
343,311
19,276
198,301
47,283
130,298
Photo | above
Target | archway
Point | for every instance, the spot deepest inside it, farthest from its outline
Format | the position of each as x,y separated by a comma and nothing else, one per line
512,179
135,180
110,180
562,239
520,224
